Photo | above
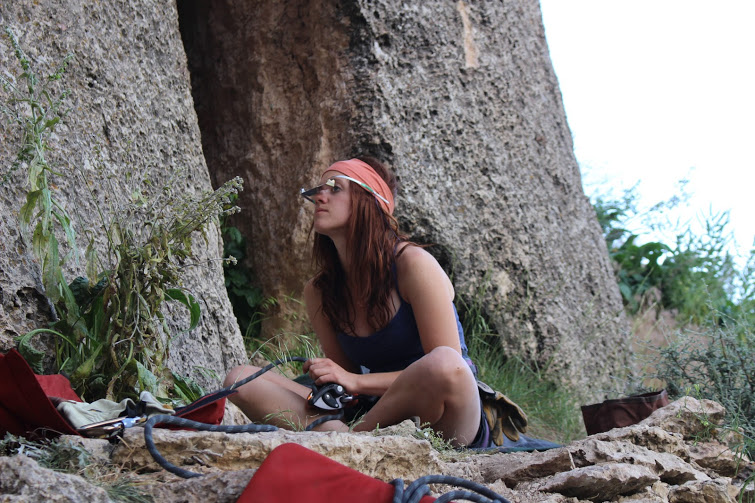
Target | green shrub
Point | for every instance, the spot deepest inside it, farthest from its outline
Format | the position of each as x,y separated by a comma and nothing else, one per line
716,362
247,299
697,276
712,352
110,330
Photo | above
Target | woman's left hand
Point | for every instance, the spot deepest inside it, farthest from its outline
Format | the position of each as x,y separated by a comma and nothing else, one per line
325,370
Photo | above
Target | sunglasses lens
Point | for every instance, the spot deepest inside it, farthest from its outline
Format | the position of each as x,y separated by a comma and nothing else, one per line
308,194
311,192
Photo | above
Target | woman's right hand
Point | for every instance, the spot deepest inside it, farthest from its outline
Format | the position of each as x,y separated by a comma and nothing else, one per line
325,370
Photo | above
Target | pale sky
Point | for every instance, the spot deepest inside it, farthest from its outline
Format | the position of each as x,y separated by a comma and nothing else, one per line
660,90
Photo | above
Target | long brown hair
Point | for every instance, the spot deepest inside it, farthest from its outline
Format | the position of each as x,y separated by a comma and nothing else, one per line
372,239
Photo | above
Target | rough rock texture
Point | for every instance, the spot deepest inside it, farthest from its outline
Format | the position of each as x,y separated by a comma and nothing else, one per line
223,487
612,467
130,97
462,101
384,457
23,480
600,482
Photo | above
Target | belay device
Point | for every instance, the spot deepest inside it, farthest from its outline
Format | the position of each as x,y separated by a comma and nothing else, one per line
331,396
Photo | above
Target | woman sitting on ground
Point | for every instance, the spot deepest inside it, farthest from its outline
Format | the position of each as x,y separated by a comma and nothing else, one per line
382,309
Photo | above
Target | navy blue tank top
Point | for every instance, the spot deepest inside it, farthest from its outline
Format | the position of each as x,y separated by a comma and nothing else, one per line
395,346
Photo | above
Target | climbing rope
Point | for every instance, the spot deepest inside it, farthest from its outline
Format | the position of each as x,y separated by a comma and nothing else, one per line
421,487
412,494
238,384
187,423
246,428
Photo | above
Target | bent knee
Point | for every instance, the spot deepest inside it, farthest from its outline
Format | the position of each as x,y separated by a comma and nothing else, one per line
446,358
447,367
238,373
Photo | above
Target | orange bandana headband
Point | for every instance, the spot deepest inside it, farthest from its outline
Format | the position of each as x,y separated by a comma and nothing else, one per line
368,180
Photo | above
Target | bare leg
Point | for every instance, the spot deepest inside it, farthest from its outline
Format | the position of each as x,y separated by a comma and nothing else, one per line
440,389
274,399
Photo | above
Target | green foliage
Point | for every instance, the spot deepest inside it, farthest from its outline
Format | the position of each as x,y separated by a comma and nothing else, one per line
716,362
700,277
112,333
36,108
55,455
712,354
636,266
696,277
437,442
552,408
281,347
248,302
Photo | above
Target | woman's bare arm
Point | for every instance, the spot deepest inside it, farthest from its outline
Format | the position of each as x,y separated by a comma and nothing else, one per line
424,285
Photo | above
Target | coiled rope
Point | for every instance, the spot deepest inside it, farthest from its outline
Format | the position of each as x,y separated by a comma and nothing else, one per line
421,487
412,494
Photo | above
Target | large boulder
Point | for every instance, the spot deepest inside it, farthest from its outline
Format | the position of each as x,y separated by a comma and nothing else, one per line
462,101
130,101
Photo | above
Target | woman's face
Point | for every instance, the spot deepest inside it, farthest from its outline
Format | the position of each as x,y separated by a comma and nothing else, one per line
332,205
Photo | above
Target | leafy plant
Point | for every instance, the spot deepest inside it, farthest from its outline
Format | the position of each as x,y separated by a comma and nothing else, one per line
699,276
696,276
36,108
717,363
636,266
112,332
247,299
438,443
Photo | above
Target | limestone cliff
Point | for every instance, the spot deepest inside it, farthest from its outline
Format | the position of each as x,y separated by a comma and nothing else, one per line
130,99
461,99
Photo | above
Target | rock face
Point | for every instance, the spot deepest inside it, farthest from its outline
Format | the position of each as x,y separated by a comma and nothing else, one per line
130,99
24,480
462,101
642,462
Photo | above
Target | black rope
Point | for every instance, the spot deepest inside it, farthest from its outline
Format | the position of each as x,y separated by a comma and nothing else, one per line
420,487
216,395
229,390
238,384
413,494
324,419
188,423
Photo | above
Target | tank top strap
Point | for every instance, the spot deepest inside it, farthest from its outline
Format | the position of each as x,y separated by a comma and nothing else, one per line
394,273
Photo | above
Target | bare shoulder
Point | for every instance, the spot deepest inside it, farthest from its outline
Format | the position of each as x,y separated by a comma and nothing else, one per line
418,269
409,253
